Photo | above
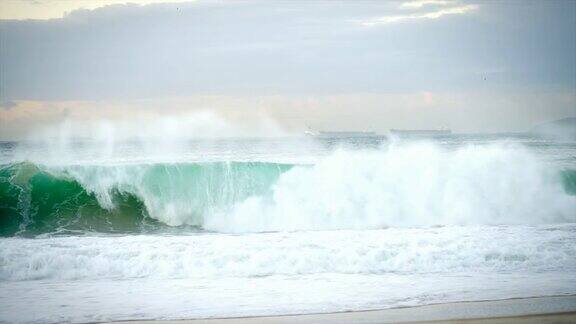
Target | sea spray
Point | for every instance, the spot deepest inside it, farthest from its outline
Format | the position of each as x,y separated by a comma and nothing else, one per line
165,137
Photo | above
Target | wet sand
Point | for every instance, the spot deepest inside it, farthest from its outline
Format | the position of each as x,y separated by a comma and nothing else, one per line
556,309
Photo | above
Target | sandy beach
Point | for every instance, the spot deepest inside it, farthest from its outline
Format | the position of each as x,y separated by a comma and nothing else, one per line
556,309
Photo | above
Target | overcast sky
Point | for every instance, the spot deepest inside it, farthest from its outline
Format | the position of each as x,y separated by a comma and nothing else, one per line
473,66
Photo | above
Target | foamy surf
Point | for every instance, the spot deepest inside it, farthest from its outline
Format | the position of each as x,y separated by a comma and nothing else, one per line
463,250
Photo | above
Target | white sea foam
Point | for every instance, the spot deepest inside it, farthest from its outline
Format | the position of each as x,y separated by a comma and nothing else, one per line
401,251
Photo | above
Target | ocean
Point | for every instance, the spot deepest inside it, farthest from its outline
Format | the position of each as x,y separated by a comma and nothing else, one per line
117,230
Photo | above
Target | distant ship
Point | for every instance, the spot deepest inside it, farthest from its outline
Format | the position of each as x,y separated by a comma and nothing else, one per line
339,134
420,132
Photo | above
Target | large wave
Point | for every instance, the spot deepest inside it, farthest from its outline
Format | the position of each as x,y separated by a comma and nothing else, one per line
400,186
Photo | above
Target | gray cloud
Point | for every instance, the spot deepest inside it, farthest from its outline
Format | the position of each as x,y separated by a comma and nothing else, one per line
254,47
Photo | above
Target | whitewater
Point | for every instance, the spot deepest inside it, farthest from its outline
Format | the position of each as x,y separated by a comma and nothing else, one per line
248,227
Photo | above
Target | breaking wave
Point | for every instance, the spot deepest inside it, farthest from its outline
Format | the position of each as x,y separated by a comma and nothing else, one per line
416,185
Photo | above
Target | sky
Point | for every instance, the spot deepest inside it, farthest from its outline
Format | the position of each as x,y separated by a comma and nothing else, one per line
471,66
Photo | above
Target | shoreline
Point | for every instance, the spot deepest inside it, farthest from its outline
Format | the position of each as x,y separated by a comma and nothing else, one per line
552,309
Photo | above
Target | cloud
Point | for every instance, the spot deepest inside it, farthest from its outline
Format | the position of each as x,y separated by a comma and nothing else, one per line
57,9
128,52
422,3
456,10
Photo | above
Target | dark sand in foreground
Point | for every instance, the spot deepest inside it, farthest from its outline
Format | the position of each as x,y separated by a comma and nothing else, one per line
557,309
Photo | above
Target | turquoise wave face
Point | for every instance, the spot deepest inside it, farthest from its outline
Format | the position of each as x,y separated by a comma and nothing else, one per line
36,200
569,181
